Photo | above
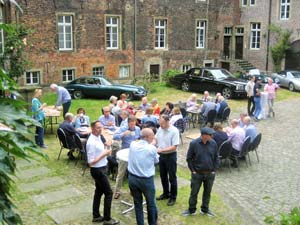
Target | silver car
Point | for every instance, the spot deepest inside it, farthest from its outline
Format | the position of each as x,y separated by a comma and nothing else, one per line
289,79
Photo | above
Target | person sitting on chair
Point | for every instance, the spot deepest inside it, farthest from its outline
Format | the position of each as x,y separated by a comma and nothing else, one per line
82,123
206,107
70,131
192,104
219,136
149,117
176,115
168,109
107,120
250,128
221,105
144,105
236,137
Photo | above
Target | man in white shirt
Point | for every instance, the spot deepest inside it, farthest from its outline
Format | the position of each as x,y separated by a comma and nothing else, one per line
96,155
167,139
250,95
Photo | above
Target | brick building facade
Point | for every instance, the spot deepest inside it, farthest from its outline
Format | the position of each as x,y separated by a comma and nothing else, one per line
121,39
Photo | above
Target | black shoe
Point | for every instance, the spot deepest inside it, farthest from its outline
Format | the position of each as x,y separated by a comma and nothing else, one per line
208,213
111,222
234,165
162,197
71,156
188,213
171,202
98,219
273,114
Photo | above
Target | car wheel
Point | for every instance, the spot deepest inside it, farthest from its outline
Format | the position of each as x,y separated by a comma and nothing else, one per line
185,86
291,87
77,94
129,96
226,92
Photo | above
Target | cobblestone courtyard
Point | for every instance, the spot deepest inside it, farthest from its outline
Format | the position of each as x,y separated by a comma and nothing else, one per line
261,189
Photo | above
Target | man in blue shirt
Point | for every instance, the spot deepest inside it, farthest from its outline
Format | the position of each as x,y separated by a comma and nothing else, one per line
250,128
63,97
144,105
141,167
107,120
126,134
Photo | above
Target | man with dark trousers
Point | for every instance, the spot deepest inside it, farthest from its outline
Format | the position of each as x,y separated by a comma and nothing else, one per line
96,155
167,140
203,161
141,167
70,131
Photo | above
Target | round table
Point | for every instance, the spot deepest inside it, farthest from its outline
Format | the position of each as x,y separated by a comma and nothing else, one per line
123,154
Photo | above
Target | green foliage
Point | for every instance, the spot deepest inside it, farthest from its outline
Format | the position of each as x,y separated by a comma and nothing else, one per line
13,59
15,142
282,44
167,76
291,218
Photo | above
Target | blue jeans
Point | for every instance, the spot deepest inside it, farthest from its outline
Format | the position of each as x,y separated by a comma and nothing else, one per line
196,181
143,186
167,169
39,134
257,110
66,107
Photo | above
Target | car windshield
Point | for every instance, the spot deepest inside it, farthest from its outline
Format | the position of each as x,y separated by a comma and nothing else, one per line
220,74
296,74
106,82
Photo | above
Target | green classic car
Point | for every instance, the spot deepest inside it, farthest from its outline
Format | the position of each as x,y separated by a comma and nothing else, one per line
99,87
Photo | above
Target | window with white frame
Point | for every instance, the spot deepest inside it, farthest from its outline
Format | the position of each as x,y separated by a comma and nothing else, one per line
239,30
68,75
186,67
124,71
112,32
227,30
284,9
200,34
244,2
98,71
160,33
32,77
252,2
1,33
65,32
255,36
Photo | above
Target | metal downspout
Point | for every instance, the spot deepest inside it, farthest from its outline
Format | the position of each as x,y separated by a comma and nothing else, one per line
268,33
134,40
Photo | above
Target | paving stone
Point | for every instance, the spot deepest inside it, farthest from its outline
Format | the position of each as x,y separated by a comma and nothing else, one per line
24,163
72,212
41,184
55,196
30,173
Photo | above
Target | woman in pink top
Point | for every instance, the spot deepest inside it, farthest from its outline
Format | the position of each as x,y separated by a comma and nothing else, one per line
271,89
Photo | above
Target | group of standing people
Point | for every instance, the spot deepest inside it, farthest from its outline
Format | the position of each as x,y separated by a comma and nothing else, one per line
254,90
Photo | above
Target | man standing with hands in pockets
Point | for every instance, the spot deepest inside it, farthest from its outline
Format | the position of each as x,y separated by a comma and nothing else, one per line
96,155
203,161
